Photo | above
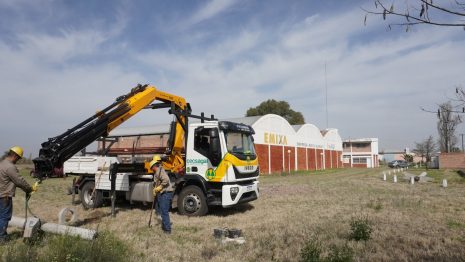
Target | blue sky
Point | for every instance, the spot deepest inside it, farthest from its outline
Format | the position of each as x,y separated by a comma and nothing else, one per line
60,61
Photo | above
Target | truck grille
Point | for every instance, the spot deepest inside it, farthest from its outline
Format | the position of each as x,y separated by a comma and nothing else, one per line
240,175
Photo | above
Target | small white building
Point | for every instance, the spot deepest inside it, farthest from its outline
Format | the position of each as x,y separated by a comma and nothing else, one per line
360,152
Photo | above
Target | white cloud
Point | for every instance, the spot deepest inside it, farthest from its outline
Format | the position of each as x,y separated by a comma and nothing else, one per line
208,11
66,45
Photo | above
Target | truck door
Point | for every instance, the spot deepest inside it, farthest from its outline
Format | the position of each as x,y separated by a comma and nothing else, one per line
207,143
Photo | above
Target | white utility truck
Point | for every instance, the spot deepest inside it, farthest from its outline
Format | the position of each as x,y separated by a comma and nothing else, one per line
212,163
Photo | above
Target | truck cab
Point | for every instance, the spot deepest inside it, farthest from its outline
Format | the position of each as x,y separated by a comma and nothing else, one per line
221,160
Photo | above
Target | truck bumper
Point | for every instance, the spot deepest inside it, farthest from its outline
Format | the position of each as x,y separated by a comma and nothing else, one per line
245,193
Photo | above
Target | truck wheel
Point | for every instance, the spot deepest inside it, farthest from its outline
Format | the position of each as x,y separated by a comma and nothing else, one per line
192,202
85,195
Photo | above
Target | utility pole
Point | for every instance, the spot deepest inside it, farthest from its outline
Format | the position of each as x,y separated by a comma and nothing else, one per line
326,91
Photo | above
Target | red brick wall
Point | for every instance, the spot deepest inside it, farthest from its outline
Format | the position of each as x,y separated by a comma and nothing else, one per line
327,159
262,153
301,158
452,160
276,158
311,159
334,159
319,158
347,164
360,165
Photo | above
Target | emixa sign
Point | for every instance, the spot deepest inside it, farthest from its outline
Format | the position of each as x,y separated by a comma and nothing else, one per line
272,138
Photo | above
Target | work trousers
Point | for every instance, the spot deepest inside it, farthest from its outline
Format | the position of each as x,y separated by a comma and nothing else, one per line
164,201
6,211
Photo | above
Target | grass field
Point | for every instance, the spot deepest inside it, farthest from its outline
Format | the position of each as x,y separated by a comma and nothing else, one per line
313,210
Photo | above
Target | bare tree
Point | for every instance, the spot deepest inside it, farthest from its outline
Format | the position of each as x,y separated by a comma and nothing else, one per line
419,150
447,124
414,12
426,148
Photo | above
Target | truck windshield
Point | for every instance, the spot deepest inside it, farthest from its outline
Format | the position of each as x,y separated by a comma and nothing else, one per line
240,144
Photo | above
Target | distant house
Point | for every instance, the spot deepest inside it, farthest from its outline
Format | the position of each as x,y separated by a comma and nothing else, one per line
360,152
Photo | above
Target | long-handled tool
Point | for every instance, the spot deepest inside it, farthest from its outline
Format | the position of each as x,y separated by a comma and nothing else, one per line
151,210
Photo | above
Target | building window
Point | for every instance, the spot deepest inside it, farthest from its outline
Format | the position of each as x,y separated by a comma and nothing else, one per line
360,160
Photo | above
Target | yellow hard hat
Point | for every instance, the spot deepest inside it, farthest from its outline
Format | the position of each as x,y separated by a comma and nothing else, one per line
17,150
156,159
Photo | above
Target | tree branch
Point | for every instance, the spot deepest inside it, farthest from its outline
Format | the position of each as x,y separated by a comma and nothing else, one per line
441,8
423,18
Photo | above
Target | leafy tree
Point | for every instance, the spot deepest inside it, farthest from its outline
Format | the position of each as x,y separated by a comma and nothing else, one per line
426,149
281,108
447,124
414,12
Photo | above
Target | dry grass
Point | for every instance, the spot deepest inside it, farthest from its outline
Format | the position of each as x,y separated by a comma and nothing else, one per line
410,222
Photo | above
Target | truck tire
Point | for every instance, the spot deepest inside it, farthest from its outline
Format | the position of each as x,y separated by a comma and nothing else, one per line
85,195
192,201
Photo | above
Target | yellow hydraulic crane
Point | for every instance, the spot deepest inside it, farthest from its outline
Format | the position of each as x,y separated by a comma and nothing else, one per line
58,149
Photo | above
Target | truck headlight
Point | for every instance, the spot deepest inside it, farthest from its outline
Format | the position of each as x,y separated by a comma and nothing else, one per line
234,192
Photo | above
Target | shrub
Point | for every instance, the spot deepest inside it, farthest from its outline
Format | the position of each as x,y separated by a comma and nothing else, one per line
67,248
340,254
311,252
19,252
360,229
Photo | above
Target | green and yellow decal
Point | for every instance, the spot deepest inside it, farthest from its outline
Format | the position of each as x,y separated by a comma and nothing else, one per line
228,160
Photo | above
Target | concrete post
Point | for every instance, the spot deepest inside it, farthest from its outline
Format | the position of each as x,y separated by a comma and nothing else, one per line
57,229
444,183
395,178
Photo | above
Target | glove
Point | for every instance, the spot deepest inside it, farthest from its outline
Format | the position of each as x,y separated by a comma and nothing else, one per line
35,187
158,189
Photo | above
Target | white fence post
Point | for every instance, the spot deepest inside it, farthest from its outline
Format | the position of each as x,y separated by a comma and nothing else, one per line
444,183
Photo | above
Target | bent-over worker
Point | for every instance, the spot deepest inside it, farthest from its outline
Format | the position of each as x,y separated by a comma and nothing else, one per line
9,180
163,190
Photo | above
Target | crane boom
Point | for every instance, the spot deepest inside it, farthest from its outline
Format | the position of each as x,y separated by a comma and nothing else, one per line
57,150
